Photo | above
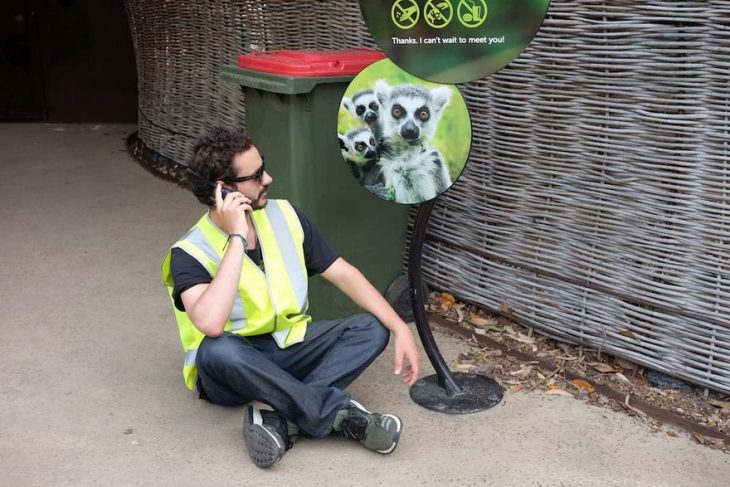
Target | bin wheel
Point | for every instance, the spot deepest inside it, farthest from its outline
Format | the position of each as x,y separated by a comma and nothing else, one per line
399,297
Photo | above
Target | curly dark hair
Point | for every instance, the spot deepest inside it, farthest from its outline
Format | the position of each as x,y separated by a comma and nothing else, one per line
213,160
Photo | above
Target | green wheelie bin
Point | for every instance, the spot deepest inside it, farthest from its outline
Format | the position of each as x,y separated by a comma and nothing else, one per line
292,101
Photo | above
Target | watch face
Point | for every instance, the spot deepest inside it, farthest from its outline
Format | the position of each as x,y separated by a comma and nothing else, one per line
453,41
403,139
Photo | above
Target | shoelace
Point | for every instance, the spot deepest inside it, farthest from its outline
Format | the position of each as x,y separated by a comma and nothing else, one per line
354,426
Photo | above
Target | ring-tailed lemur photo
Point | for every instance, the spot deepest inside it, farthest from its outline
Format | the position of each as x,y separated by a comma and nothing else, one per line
359,149
364,105
412,171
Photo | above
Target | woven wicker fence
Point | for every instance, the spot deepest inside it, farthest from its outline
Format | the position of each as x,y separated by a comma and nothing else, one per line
596,202
181,46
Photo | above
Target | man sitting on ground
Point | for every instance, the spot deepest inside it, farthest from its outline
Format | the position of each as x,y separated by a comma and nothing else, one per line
238,282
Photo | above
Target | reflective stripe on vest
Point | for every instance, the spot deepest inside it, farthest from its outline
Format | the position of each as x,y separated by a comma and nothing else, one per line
190,357
260,306
294,266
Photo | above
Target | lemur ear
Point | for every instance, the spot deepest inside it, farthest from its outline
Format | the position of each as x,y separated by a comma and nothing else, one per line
382,91
440,97
347,104
343,146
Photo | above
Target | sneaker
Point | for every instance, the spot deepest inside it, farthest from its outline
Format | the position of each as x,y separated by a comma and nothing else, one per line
375,431
266,436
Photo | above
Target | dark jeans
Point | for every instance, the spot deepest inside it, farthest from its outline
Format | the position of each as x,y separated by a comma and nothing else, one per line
303,382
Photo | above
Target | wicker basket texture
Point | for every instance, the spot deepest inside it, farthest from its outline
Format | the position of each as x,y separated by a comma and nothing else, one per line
596,201
181,46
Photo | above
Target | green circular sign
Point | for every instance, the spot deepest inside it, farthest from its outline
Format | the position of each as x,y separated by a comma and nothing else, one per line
453,41
404,139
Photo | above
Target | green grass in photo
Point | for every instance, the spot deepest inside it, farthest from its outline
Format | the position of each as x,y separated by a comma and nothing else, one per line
453,133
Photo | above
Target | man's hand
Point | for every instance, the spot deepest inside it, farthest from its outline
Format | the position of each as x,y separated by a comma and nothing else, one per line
209,305
407,359
231,211
350,281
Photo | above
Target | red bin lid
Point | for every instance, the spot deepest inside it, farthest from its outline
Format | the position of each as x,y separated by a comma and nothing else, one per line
310,63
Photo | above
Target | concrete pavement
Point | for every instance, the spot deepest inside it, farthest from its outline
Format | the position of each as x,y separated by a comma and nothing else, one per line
92,392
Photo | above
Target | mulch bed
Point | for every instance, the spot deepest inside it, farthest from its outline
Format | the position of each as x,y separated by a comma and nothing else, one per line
521,361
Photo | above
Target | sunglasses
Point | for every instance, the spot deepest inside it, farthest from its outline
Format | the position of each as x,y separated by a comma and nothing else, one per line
258,175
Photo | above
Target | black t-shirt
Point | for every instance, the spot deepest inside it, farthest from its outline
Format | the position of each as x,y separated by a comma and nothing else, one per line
188,272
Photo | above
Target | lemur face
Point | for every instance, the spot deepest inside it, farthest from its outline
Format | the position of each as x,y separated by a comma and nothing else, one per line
363,105
411,112
358,145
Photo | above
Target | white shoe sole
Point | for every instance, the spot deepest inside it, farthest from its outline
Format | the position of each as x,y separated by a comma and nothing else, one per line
265,447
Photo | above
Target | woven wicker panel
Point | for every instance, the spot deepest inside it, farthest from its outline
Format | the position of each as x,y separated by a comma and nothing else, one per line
181,46
596,203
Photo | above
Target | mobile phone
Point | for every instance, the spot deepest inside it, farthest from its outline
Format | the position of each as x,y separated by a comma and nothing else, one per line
224,191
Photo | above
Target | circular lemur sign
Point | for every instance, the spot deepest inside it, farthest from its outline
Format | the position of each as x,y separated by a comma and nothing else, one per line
403,138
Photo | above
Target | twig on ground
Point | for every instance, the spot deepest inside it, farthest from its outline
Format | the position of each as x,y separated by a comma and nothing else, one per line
547,378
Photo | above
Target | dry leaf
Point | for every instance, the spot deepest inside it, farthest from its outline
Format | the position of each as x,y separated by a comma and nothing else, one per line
516,335
486,353
506,310
558,392
625,364
720,404
516,388
585,385
627,333
632,408
446,301
465,367
621,376
477,320
447,298
698,438
716,442
567,349
601,367
522,372
459,308
709,441
522,338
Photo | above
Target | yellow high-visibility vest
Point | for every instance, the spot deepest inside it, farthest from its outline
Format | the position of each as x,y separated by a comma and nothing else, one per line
274,301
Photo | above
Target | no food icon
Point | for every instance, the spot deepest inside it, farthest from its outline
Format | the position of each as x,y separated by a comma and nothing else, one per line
405,14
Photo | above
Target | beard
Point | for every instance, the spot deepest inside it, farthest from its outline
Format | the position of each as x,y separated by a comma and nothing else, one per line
261,199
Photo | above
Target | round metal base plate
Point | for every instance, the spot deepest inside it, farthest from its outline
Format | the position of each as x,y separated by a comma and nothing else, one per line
480,393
